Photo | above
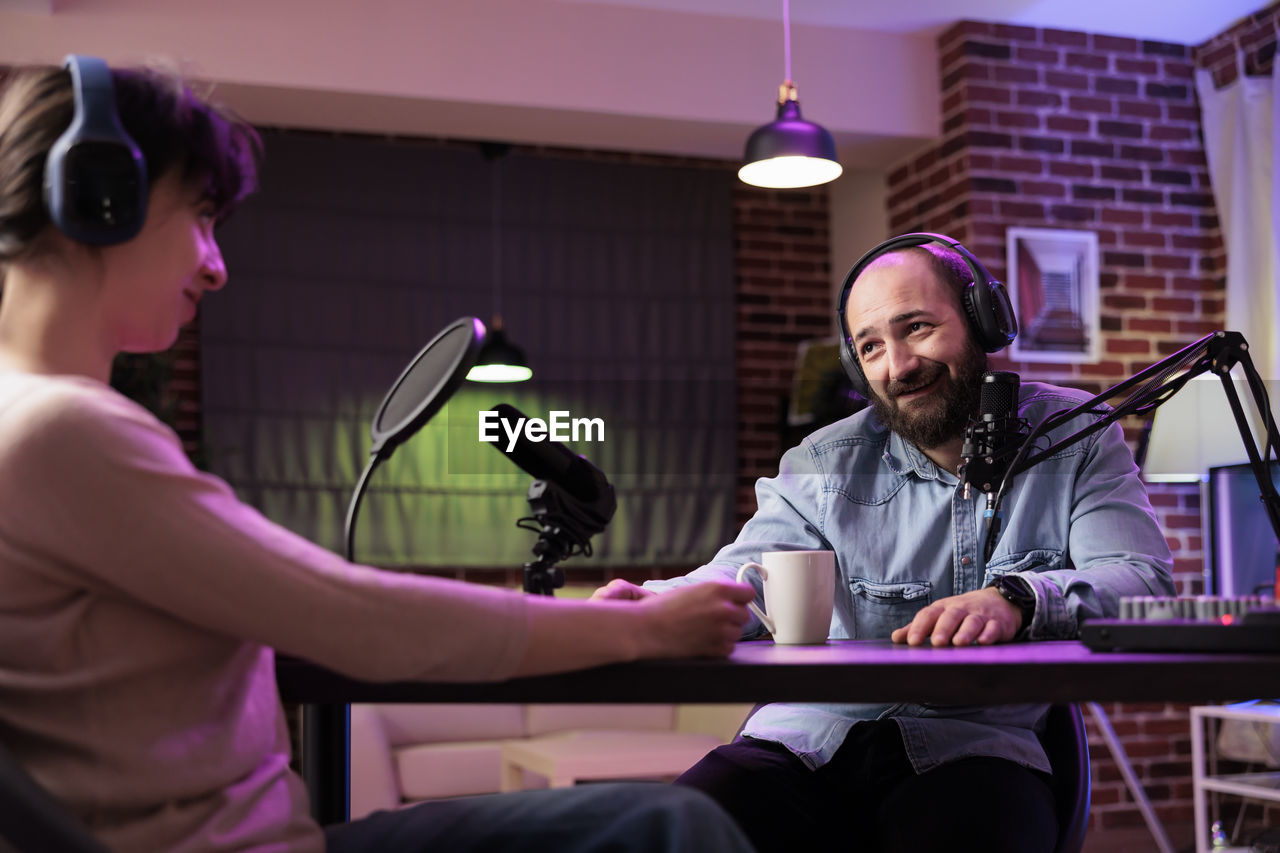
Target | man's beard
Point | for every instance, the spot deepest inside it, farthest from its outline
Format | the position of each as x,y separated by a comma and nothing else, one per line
945,412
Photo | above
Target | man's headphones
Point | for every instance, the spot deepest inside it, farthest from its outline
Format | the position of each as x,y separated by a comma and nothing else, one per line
95,180
985,300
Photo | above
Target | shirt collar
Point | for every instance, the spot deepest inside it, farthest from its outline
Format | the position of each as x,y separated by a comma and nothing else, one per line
902,457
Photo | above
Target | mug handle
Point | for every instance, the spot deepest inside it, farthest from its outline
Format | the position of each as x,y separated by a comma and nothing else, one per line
764,575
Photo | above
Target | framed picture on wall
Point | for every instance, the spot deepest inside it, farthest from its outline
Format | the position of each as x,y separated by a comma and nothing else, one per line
1053,282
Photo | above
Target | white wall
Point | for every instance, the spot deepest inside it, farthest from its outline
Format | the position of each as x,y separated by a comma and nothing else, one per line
531,71
859,220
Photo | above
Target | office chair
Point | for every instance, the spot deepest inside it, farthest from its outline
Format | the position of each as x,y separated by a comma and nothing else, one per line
32,821
1068,749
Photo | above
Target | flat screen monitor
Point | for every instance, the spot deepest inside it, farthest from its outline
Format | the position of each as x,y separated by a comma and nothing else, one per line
1240,546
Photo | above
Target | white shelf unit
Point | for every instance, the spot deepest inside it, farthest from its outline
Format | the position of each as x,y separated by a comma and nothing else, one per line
1258,786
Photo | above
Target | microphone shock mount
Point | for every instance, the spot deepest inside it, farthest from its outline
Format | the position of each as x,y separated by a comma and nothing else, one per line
564,526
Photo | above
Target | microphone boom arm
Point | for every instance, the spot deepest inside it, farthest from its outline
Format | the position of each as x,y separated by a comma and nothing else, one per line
1218,353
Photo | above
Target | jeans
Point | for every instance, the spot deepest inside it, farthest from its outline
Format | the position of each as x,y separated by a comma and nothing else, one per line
621,817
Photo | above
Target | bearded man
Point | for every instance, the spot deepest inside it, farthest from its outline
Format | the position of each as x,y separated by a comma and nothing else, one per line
880,489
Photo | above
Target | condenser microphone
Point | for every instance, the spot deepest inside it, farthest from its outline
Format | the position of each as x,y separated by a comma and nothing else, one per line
551,461
571,501
991,441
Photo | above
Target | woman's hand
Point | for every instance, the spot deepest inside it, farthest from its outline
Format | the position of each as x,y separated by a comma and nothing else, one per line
693,620
625,623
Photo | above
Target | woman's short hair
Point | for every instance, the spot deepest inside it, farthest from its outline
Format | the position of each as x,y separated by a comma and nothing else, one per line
178,132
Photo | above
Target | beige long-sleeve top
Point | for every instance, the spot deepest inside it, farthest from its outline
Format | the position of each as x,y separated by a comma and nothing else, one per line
139,604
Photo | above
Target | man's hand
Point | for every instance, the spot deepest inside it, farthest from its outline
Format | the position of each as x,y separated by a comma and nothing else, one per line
620,589
982,616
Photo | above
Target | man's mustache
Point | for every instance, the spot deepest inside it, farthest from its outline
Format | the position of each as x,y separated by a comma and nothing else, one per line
926,375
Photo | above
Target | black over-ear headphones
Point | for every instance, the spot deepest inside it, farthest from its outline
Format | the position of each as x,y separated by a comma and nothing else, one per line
95,180
986,303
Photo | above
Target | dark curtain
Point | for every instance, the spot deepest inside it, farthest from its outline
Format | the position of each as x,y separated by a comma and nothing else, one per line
615,278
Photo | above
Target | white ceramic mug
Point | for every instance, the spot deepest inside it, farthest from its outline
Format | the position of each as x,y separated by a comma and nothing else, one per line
799,588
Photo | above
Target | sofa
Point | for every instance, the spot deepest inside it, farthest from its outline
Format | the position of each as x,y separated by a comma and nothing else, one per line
403,753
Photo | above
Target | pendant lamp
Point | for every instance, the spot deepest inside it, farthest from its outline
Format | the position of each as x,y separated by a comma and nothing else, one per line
789,152
499,359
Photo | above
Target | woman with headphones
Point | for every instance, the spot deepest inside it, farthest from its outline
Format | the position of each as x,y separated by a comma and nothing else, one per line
140,602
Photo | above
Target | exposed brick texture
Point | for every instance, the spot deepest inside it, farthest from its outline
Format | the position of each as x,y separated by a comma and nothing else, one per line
781,251
1092,142
184,384
1250,46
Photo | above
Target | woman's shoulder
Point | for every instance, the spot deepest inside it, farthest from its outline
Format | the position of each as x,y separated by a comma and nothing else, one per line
34,406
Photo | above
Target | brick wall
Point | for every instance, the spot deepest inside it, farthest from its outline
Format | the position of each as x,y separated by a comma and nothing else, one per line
783,278
1249,46
184,385
1055,129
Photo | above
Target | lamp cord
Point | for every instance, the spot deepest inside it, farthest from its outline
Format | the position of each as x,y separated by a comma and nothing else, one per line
495,231
786,38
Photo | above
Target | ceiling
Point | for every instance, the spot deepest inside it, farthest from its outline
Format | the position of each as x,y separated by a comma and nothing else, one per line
1180,21
683,77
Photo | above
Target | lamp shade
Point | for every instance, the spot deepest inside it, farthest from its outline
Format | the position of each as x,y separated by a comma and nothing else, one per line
1194,431
789,151
499,359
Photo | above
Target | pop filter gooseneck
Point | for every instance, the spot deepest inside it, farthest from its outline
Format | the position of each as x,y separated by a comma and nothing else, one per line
421,390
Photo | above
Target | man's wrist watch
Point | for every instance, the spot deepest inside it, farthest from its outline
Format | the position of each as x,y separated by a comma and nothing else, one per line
1018,592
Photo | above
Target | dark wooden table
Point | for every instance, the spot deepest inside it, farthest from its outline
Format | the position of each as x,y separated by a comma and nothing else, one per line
840,671
845,671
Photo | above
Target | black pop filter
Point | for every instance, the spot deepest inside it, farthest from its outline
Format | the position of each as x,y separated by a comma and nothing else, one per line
426,384
421,390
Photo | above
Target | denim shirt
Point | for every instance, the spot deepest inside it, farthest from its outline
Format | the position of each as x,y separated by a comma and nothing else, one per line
1078,527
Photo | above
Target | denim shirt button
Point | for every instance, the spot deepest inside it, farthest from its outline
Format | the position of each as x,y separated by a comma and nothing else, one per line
964,561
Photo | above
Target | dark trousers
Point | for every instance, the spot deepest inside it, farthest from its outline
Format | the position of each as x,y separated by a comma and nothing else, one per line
868,799
634,817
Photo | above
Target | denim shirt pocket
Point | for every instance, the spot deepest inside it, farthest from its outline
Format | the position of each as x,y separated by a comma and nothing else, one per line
880,607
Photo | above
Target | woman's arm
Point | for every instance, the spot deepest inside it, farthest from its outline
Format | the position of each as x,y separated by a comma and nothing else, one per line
100,497
702,620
